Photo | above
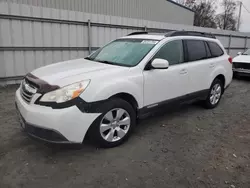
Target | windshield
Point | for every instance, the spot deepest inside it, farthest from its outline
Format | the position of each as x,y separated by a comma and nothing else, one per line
246,52
123,52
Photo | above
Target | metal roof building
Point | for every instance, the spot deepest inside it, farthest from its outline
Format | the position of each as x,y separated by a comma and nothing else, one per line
153,10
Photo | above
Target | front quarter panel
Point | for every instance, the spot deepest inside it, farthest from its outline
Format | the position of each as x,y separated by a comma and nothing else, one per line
110,84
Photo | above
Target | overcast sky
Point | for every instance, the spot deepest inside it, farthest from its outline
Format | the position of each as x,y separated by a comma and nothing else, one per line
245,16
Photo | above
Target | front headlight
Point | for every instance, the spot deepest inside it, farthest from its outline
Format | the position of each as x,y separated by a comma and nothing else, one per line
66,93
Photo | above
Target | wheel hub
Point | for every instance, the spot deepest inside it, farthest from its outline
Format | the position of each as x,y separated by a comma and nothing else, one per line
115,125
215,94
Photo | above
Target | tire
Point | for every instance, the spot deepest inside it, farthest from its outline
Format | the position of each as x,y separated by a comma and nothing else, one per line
217,93
113,134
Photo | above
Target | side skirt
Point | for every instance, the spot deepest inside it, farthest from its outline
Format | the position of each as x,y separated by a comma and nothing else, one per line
172,103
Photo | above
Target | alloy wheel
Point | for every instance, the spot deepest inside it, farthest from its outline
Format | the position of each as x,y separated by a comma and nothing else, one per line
115,125
215,94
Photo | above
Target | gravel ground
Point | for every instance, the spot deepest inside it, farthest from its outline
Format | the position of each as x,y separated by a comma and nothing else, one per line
188,147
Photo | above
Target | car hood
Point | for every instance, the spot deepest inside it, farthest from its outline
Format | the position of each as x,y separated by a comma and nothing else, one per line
71,71
242,59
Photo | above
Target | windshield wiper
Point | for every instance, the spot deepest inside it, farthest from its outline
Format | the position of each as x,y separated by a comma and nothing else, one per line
89,58
101,61
107,62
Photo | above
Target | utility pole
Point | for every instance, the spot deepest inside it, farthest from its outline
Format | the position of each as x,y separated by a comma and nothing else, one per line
238,26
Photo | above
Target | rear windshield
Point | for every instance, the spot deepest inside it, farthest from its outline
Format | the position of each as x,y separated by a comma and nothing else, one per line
123,52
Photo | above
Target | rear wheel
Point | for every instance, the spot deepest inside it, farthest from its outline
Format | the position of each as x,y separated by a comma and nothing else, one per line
215,94
115,124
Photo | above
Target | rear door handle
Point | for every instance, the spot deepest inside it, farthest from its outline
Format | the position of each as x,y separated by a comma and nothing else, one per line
183,71
211,65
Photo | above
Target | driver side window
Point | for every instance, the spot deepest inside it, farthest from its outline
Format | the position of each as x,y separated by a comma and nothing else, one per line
172,51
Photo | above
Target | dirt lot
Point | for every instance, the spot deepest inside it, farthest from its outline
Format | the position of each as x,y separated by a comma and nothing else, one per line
189,147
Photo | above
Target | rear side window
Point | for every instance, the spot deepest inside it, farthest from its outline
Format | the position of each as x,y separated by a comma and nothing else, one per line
196,50
215,49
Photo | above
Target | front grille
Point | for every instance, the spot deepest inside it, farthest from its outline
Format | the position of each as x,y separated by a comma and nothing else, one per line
27,95
237,65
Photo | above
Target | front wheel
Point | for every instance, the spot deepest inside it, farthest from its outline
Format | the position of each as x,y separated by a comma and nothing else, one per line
115,124
215,94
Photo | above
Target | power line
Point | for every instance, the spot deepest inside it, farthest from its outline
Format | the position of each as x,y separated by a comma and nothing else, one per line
246,8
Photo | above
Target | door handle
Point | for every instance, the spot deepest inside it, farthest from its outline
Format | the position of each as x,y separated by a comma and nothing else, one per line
183,71
211,65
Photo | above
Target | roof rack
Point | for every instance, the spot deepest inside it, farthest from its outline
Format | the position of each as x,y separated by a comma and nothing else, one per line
189,33
138,33
178,33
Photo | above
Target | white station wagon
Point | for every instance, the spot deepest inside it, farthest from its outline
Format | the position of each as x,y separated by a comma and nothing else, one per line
104,94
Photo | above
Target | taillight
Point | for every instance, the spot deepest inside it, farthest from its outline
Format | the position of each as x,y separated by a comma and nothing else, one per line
230,59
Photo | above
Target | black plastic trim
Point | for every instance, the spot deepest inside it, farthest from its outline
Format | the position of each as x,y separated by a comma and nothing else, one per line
189,33
83,106
138,33
47,135
208,50
184,46
169,104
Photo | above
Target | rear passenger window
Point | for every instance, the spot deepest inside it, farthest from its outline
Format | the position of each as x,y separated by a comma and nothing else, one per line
172,51
215,49
196,50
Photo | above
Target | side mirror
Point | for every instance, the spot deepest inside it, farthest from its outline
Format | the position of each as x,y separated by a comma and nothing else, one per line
239,53
160,64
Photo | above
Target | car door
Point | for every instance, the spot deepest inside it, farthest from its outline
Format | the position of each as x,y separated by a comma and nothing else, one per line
161,85
200,65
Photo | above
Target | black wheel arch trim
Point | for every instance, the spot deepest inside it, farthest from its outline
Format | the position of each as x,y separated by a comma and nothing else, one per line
84,106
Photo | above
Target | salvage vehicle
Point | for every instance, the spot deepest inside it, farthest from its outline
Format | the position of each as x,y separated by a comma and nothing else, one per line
104,94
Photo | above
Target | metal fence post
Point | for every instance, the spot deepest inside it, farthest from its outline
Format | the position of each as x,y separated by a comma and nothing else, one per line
246,43
89,36
229,44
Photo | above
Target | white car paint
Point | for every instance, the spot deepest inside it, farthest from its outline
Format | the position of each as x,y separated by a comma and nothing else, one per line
242,64
242,59
147,87
73,128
